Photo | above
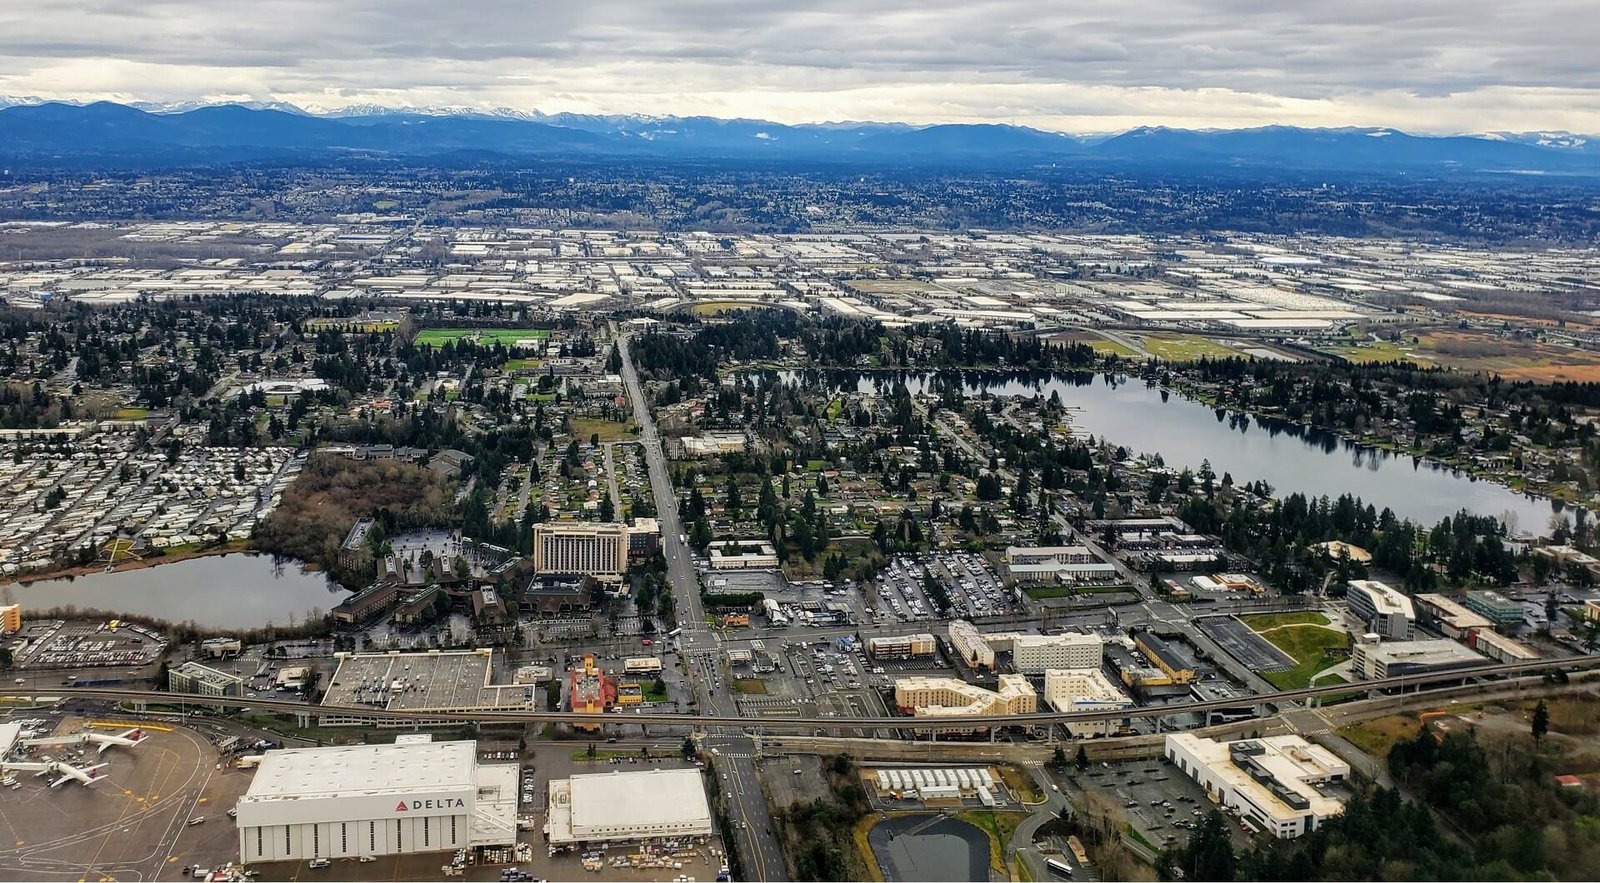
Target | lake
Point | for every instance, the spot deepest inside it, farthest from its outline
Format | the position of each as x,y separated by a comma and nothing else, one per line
1125,411
235,591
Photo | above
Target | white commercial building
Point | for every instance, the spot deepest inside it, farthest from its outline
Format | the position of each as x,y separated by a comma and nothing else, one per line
742,555
641,665
1085,689
1032,654
1271,783
1386,612
1056,563
355,800
569,547
969,644
627,806
1371,660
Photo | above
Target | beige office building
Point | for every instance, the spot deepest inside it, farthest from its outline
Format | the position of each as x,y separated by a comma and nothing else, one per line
598,550
948,697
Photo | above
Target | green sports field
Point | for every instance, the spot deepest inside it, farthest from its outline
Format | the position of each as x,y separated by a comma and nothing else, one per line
486,336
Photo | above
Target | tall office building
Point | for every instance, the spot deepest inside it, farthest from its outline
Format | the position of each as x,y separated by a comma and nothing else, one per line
598,550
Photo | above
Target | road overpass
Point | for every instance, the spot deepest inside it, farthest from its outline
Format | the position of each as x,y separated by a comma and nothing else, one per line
1411,683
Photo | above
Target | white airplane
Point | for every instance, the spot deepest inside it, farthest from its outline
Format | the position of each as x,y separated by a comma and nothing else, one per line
67,772
124,739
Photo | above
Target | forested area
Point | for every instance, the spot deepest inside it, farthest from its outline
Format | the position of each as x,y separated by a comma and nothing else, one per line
1485,808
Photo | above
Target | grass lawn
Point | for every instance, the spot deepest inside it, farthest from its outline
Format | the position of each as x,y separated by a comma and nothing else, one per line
520,365
1378,735
713,307
1308,645
608,430
1020,784
1370,350
1000,826
750,686
864,847
1105,347
1184,348
486,336
1263,621
582,755
384,205
131,413
651,694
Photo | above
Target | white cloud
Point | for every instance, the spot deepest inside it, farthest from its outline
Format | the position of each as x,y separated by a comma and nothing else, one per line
1421,65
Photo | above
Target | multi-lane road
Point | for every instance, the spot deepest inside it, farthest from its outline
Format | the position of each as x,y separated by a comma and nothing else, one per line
733,752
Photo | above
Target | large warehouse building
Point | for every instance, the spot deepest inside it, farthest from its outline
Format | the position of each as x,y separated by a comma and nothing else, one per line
1371,660
623,807
1275,783
371,800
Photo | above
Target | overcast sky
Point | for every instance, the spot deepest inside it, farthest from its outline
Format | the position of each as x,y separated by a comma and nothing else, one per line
1072,65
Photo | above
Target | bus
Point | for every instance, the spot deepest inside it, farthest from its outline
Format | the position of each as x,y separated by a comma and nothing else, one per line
1058,866
1078,852
674,633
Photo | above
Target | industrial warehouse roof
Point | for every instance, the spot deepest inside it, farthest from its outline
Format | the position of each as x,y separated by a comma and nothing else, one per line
437,680
363,770
638,800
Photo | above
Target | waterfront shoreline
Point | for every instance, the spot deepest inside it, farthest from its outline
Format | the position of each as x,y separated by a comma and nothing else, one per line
238,547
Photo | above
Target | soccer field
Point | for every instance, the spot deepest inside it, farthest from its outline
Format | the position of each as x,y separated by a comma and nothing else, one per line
485,336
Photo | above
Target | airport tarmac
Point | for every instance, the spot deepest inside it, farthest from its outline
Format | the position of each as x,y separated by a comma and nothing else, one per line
133,823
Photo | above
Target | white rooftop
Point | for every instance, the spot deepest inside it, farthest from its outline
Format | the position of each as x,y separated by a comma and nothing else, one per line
363,770
637,799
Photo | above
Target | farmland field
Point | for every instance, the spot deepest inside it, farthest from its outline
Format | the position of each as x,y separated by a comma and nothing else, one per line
1476,351
1184,348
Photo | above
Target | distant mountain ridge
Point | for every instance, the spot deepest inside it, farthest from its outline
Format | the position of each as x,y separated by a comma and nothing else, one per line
208,133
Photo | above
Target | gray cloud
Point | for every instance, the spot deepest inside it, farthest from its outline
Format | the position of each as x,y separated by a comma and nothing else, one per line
1425,65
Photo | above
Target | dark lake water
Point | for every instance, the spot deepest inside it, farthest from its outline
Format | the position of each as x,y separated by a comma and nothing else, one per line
240,590
1289,457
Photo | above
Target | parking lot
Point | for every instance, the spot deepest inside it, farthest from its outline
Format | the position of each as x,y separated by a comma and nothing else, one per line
1161,802
1243,644
60,644
969,583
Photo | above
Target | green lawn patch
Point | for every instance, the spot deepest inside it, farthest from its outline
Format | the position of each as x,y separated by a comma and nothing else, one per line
582,755
131,413
1105,347
1309,646
1263,621
484,336
1000,826
1182,348
608,430
520,365
750,686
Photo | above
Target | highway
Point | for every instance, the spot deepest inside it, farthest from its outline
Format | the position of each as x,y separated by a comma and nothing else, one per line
733,751
1413,684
